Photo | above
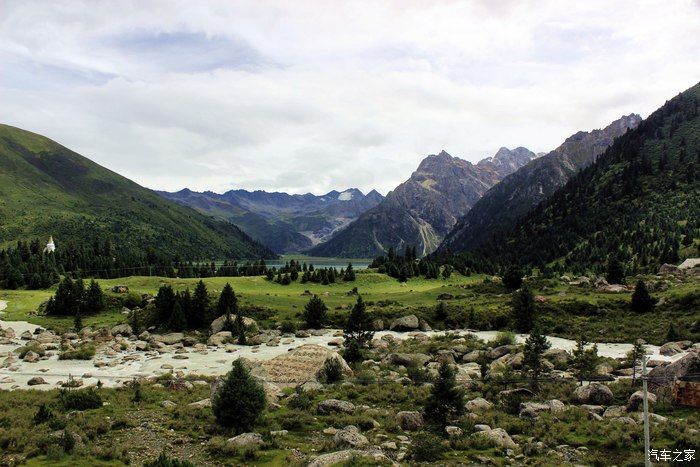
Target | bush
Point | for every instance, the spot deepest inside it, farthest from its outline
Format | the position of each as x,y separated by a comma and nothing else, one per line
513,278
166,461
427,448
34,347
503,338
132,300
240,401
84,352
82,399
43,415
288,327
332,371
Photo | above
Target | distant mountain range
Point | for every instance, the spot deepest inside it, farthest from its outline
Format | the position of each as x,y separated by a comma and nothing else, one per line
423,209
47,189
639,202
525,188
283,222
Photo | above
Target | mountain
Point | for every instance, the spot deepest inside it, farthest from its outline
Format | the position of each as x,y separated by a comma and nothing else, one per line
423,209
639,202
525,188
285,223
47,189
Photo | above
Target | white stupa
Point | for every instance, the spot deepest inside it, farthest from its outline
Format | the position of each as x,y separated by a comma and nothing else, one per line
50,247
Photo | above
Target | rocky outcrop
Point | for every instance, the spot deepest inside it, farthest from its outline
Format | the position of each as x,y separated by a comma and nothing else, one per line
664,375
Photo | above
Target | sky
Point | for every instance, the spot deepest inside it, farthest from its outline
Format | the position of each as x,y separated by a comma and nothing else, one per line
310,96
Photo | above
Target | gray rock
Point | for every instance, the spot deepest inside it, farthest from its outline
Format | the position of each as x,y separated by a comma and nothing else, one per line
499,437
478,404
218,324
407,359
636,400
334,405
410,421
339,457
246,440
453,431
663,375
670,349
351,437
405,323
615,411
37,380
594,393
481,427
123,329
502,350
168,339
31,357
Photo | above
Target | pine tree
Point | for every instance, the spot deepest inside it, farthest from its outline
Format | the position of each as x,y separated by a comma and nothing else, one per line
240,328
315,313
78,321
446,399
94,298
240,400
615,273
513,277
178,320
523,309
584,361
634,357
199,310
165,302
228,303
535,346
349,274
358,332
641,300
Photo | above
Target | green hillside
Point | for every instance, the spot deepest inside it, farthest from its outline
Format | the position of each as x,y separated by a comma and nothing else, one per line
640,202
47,189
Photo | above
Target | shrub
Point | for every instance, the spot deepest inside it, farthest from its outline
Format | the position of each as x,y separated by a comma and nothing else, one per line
332,371
240,401
34,347
82,399
84,352
166,461
427,448
132,300
513,278
43,415
503,338
288,327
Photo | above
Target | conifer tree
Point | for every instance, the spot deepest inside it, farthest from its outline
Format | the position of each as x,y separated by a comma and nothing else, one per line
523,309
240,400
178,320
615,272
535,346
228,303
584,361
634,357
240,329
446,400
199,309
94,298
358,331
641,300
315,313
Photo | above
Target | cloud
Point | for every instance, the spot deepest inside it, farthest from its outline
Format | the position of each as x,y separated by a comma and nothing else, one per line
313,96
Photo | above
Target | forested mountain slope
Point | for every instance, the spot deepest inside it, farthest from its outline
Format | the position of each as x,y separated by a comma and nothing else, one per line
640,201
47,189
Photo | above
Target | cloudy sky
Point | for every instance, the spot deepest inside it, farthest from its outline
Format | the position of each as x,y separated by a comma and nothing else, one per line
309,96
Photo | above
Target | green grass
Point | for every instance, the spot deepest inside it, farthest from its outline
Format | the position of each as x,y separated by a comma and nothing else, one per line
567,312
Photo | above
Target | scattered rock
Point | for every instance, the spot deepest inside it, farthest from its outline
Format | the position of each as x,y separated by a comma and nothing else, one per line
405,323
593,393
636,400
478,404
201,404
410,421
340,457
499,437
168,339
168,404
246,440
35,381
334,405
218,324
350,436
453,431
670,349
123,329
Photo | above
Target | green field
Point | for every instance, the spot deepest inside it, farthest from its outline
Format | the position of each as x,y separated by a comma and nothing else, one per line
565,310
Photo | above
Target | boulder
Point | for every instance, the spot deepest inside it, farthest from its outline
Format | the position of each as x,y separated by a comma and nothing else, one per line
341,457
670,349
168,339
636,400
669,269
405,323
502,350
351,437
453,431
246,440
408,359
615,411
220,338
218,324
200,404
596,409
300,365
31,357
168,404
35,381
478,404
123,329
472,356
410,421
663,375
329,406
499,437
594,393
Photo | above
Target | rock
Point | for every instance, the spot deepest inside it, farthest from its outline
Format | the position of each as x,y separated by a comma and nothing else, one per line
26,336
596,409
220,338
613,288
408,359
410,421
593,393
389,446
502,350
453,431
300,365
406,323
445,356
169,339
35,381
670,349
669,269
350,436
499,437
200,404
31,357
168,404
615,411
145,336
478,404
636,400
334,405
481,427
218,324
663,375
246,440
340,457
532,409
123,329
472,356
